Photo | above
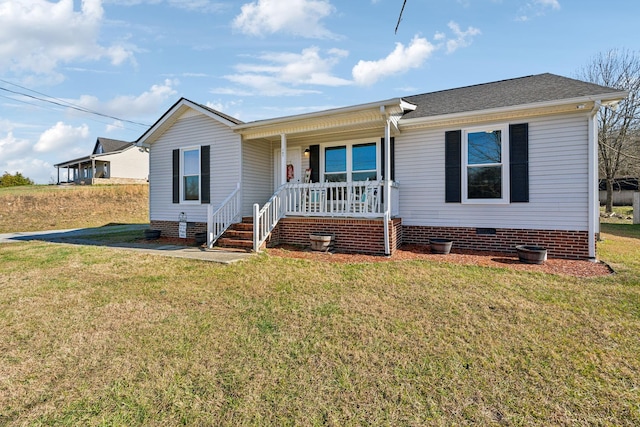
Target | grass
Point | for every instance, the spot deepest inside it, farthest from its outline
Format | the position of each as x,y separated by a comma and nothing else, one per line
42,207
95,336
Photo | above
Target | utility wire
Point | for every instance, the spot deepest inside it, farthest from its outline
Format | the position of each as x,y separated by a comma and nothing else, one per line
65,104
400,17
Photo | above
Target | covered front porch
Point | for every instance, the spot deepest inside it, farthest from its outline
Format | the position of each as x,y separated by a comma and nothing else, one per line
336,166
83,171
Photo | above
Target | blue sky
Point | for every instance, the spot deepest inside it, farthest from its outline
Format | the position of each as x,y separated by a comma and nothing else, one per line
130,60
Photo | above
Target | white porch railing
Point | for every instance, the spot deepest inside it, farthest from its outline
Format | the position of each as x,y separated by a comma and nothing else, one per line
265,219
359,199
219,220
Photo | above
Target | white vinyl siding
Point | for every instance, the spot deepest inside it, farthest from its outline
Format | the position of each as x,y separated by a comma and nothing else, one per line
192,129
558,181
130,163
257,175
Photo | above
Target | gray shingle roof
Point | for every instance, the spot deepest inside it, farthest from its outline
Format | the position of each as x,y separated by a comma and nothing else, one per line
110,145
504,93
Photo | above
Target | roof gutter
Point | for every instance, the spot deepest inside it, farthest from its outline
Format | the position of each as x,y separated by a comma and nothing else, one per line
401,103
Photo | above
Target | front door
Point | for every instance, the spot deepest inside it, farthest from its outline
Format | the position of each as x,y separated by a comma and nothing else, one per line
294,164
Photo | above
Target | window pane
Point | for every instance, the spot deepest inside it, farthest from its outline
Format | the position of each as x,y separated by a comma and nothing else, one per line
191,188
484,182
191,162
335,159
364,157
363,176
484,147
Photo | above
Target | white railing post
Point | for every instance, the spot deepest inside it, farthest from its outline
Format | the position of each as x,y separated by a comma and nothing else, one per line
256,227
209,225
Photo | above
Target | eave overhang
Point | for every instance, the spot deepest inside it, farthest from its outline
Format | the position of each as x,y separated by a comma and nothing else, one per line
582,104
339,120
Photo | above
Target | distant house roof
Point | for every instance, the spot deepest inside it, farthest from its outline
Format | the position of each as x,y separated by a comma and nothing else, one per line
620,184
505,93
110,145
102,146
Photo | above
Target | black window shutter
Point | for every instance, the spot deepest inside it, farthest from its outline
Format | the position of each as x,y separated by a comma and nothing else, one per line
519,162
314,162
392,144
205,174
176,176
453,166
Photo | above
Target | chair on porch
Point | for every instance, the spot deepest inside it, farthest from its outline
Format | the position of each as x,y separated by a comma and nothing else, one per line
365,200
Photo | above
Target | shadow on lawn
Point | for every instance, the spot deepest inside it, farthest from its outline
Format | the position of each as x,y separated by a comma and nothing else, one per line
621,230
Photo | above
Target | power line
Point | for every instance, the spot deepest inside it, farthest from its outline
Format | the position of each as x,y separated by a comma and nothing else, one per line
64,104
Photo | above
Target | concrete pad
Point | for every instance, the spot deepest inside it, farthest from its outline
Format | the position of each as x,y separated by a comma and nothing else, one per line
82,236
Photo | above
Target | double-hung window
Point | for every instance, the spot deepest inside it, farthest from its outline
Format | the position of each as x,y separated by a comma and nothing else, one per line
190,174
351,162
485,160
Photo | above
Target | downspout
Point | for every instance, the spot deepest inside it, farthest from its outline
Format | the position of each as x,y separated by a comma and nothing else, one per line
387,180
594,203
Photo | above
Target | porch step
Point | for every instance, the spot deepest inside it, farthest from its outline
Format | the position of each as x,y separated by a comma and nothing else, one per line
238,236
227,242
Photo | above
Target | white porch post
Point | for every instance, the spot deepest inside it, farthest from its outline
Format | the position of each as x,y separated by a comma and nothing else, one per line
387,185
283,159
93,169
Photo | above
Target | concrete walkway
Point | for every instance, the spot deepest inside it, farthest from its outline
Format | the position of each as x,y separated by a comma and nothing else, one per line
92,237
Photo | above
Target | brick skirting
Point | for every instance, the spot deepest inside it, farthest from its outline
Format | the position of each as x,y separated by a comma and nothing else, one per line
366,236
352,235
170,228
559,243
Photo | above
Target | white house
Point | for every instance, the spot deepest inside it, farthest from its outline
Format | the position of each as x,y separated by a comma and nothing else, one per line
111,162
489,166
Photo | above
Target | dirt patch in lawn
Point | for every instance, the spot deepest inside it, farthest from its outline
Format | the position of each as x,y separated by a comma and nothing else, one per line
566,267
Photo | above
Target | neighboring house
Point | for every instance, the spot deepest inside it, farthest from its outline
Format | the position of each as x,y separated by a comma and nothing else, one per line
111,162
489,166
623,189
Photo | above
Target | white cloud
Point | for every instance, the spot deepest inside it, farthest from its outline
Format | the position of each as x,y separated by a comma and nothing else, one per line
11,146
116,126
199,6
280,73
61,137
536,8
463,38
400,60
37,35
130,106
297,17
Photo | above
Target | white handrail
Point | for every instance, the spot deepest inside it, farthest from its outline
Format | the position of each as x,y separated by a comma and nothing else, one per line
266,219
220,220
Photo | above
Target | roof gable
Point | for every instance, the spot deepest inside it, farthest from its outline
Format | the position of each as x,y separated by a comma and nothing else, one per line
172,115
107,145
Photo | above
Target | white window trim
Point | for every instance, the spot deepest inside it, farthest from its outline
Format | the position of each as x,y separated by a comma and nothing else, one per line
182,191
349,147
504,128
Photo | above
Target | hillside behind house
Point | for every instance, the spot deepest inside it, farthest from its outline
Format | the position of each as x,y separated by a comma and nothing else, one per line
47,207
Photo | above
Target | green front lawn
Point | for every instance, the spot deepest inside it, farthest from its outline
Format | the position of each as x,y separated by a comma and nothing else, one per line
95,336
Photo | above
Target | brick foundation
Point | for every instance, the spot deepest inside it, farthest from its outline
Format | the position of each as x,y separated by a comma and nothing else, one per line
364,236
170,228
559,243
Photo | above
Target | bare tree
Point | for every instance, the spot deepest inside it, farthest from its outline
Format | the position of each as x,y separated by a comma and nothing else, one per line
618,127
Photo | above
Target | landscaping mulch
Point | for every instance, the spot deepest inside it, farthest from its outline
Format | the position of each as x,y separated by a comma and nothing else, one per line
577,268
